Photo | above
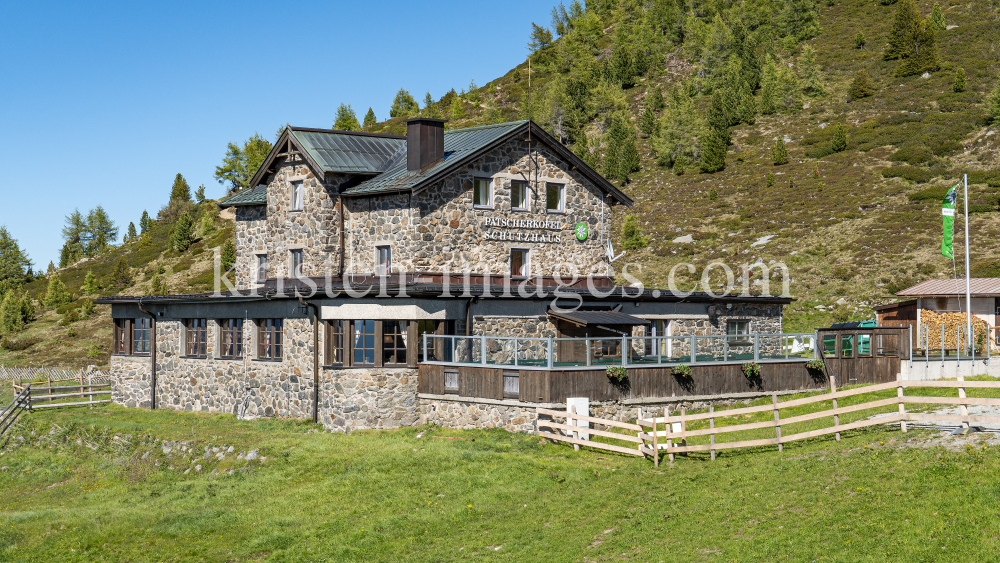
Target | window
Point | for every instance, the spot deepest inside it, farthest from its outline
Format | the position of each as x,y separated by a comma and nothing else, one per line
511,385
518,262
451,381
140,335
295,263
231,338
269,338
261,268
297,196
122,337
864,344
554,198
829,345
847,346
438,349
482,192
519,196
738,332
195,337
364,343
394,339
335,343
384,257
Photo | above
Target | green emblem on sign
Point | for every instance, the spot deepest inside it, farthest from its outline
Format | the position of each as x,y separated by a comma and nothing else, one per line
581,231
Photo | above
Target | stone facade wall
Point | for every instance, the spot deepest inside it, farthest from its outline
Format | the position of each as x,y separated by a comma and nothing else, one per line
131,382
512,416
250,240
352,399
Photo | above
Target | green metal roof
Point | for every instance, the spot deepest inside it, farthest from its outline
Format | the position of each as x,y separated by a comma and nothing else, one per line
458,144
249,196
337,151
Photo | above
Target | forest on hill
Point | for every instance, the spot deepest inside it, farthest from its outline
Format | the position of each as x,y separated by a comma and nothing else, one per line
821,135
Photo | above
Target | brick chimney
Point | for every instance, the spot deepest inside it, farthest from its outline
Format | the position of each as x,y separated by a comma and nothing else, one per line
424,142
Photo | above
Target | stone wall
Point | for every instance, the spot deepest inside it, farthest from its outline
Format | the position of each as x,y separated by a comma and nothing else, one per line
250,240
131,382
352,399
511,415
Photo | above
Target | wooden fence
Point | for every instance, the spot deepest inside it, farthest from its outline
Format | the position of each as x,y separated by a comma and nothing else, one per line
43,373
652,441
81,388
10,414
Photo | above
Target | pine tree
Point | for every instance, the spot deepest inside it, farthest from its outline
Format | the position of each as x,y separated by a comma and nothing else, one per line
144,223
52,268
207,224
747,108
403,105
346,119
56,295
861,86
920,55
430,107
89,283
799,19
122,276
180,191
648,122
621,158
905,25
719,115
632,238
959,84
540,37
183,232
156,285
473,92
11,320
456,110
713,152
768,88
936,19
582,150
130,234
839,142
370,120
811,84
227,257
779,154
680,132
656,99
789,91
14,263
27,308
859,41
199,194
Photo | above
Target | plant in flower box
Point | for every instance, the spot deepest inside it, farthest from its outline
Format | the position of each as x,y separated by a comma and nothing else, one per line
682,370
617,374
751,370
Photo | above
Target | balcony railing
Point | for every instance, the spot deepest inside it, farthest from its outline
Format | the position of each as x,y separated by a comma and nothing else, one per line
627,351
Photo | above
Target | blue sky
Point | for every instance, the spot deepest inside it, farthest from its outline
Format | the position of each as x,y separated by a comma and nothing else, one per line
104,104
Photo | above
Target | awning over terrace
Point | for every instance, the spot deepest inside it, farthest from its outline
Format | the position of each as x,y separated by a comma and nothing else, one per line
604,317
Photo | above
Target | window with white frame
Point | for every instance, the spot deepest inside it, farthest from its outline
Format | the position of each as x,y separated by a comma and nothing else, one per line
383,256
298,195
295,263
519,196
261,268
518,262
554,201
482,192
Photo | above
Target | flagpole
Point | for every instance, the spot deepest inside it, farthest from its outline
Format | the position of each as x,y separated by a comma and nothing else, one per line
968,283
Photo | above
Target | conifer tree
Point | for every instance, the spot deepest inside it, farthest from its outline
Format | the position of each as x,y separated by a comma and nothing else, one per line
540,37
473,92
921,55
89,283
768,88
11,320
180,191
56,294
648,122
713,152
27,308
779,154
582,150
790,93
719,115
936,19
122,276
621,158
905,25
183,232
959,84
811,84
156,285
403,105
859,41
370,120
199,194
799,19
456,110
14,263
839,142
130,234
747,108
656,99
346,119
430,107
861,86
207,224
227,257
632,238
680,133
144,223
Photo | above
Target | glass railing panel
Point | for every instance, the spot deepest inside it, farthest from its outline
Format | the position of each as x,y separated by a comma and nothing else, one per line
570,352
532,352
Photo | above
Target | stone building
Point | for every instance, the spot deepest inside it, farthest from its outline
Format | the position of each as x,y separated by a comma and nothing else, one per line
353,246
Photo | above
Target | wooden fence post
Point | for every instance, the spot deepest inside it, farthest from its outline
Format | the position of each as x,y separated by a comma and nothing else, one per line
667,423
836,417
963,409
656,443
777,424
902,405
711,424
684,427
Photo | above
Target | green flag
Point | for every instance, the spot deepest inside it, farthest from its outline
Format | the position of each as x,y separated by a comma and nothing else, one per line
948,212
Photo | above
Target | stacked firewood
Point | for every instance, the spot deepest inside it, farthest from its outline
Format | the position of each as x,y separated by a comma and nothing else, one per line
955,327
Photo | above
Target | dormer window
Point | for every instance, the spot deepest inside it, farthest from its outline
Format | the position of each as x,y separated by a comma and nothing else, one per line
297,196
